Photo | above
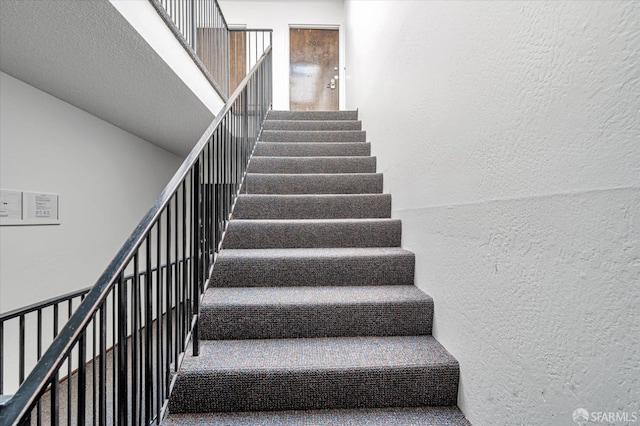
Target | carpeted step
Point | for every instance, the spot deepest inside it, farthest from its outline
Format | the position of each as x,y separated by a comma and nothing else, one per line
337,183
393,416
313,136
313,267
297,165
312,115
295,312
312,233
312,125
312,206
310,149
318,373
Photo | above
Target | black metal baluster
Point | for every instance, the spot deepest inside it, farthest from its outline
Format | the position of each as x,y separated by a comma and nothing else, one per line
94,381
196,254
135,302
2,355
21,349
159,361
169,299
123,406
148,384
39,355
69,370
185,270
176,281
114,351
102,390
82,379
55,404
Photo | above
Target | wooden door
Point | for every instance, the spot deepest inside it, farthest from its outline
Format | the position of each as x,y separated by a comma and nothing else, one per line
237,59
313,68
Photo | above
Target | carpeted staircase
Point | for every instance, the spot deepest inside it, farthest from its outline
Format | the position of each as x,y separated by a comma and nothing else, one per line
312,316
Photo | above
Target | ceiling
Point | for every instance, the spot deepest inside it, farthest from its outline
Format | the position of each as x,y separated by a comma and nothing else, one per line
87,54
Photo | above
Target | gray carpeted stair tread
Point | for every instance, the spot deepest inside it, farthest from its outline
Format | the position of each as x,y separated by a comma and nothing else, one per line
310,149
311,315
308,165
312,233
336,183
312,206
312,125
313,136
394,416
317,373
312,115
303,312
313,267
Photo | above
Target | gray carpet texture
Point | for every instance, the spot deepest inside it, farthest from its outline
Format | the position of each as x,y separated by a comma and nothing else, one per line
313,267
313,136
292,312
311,315
395,416
312,206
313,125
305,149
316,373
313,233
309,165
336,183
313,115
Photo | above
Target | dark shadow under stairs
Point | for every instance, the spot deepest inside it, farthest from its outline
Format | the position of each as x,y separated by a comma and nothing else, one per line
312,316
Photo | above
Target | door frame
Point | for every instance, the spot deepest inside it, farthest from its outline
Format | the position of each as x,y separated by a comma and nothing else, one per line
341,57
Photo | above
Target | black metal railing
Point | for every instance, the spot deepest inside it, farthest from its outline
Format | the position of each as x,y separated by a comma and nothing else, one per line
114,362
41,322
26,332
202,29
246,46
225,55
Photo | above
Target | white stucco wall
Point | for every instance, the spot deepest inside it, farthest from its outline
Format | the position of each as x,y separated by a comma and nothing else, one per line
509,136
106,178
279,15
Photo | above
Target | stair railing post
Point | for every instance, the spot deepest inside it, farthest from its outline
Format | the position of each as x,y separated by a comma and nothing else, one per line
195,337
122,385
194,27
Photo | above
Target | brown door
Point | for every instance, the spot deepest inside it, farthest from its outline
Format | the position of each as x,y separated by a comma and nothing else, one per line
237,59
313,68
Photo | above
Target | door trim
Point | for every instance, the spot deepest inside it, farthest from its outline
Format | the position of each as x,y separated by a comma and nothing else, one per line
341,56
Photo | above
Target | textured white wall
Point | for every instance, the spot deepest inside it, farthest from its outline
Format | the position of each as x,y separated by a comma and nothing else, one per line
278,15
509,135
106,178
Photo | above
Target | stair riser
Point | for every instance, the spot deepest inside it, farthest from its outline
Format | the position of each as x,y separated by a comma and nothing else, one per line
312,207
303,321
318,271
313,184
314,136
314,389
303,234
312,115
312,125
298,165
406,416
309,149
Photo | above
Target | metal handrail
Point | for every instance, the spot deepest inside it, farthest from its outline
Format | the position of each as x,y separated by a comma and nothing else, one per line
39,309
182,18
199,174
38,306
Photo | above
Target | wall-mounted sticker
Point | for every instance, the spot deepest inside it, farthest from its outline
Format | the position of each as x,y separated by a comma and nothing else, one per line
28,208
10,205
